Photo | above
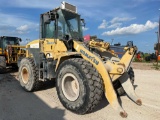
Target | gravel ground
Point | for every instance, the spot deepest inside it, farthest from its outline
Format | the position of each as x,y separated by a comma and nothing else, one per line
144,66
16,104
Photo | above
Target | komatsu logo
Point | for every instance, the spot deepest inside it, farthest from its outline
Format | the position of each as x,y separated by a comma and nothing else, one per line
89,57
50,42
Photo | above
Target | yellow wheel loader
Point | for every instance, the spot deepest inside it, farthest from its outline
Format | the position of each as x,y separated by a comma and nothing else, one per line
10,52
82,75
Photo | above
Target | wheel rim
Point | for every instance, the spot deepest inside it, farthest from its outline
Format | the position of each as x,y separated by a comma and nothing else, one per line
25,75
70,87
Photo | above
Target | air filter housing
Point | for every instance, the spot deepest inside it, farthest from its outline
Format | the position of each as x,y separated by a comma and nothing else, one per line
69,7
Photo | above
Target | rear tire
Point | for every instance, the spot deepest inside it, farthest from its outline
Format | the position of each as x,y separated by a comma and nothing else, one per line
85,92
28,75
2,64
117,85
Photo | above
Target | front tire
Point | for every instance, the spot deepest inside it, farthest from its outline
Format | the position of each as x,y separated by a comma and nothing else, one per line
2,64
28,75
79,85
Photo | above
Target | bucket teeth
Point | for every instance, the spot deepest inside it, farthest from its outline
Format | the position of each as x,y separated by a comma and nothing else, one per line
123,114
128,87
139,102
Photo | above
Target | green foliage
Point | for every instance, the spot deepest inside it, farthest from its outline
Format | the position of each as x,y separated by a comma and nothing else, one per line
146,54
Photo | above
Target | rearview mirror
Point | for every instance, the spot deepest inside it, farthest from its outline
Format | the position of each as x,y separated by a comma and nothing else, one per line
130,43
20,40
83,22
52,15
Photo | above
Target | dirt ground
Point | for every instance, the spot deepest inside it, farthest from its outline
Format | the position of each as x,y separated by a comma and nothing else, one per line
144,66
17,104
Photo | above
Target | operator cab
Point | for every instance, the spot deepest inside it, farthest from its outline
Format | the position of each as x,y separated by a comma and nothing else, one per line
62,23
6,40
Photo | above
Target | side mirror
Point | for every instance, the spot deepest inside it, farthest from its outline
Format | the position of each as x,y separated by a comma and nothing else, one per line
20,40
83,22
130,43
52,15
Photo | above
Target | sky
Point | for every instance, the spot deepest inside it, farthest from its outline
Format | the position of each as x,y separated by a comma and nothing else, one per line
117,20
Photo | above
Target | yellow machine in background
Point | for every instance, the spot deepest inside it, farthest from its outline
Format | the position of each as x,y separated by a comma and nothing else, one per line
82,74
10,52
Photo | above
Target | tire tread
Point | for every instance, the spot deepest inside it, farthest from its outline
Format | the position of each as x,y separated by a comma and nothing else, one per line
94,83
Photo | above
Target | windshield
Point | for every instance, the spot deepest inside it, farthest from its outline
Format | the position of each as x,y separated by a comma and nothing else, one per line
11,41
69,24
50,30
